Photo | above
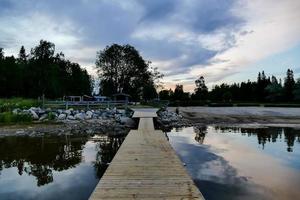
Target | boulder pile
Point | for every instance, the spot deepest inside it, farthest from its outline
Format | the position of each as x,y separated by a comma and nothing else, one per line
168,117
39,114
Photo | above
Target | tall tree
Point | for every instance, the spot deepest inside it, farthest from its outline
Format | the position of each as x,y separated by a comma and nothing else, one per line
296,91
179,93
22,55
122,69
42,73
201,91
274,90
44,51
289,84
1,54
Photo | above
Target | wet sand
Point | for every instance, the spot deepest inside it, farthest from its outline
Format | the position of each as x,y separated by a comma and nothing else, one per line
245,116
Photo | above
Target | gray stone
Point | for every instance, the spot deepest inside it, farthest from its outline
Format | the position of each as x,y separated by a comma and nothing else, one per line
43,117
90,113
79,116
34,115
68,112
88,117
62,116
127,121
16,111
71,117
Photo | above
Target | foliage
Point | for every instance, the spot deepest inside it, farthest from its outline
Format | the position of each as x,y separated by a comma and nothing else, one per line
166,94
7,105
9,117
264,90
42,72
296,91
123,70
289,84
274,90
201,91
51,116
179,93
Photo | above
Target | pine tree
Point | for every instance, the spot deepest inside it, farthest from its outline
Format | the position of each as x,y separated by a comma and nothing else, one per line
1,54
289,84
22,55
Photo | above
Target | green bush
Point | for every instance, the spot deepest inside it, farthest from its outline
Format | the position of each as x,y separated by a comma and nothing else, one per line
51,116
7,105
8,118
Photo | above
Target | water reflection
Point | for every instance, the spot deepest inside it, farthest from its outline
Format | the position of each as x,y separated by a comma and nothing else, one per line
239,163
52,162
106,149
264,135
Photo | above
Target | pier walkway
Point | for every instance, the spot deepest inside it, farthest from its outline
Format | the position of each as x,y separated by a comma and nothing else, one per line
146,167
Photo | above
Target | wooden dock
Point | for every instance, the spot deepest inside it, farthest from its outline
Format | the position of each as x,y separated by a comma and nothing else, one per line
146,167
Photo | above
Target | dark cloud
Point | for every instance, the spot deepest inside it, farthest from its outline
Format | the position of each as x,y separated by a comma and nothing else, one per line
158,9
97,23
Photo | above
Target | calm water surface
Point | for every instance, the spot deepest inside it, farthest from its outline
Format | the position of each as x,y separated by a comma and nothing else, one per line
61,167
237,163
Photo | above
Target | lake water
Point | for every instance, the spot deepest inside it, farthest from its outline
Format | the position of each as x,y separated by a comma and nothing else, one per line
237,163
61,167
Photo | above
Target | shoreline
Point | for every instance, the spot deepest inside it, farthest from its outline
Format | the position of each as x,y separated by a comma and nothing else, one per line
247,117
117,124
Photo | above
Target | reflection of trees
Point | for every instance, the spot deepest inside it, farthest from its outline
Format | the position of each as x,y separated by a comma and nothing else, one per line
267,135
200,133
38,156
107,147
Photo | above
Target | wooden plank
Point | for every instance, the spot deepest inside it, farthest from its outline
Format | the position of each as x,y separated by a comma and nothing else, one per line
145,113
146,167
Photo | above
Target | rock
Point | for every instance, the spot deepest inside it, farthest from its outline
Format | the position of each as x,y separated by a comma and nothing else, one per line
127,121
62,116
20,132
88,117
68,112
34,115
90,113
90,131
16,111
43,117
71,117
80,116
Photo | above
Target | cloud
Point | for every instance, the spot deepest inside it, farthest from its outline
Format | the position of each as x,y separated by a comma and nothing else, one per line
183,38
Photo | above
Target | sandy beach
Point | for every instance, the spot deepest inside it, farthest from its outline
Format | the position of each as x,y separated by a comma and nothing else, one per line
256,116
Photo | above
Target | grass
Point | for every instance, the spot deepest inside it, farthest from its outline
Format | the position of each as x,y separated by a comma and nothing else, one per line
10,118
7,105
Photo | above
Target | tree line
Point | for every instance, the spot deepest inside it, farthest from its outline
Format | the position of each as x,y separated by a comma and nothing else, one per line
265,89
42,72
122,69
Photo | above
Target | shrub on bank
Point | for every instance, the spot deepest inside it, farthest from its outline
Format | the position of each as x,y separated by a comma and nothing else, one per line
9,117
7,105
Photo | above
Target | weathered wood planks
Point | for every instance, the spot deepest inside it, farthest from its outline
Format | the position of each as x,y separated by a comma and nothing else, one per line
146,167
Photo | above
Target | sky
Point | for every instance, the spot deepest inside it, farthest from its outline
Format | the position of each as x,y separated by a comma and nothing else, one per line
222,40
